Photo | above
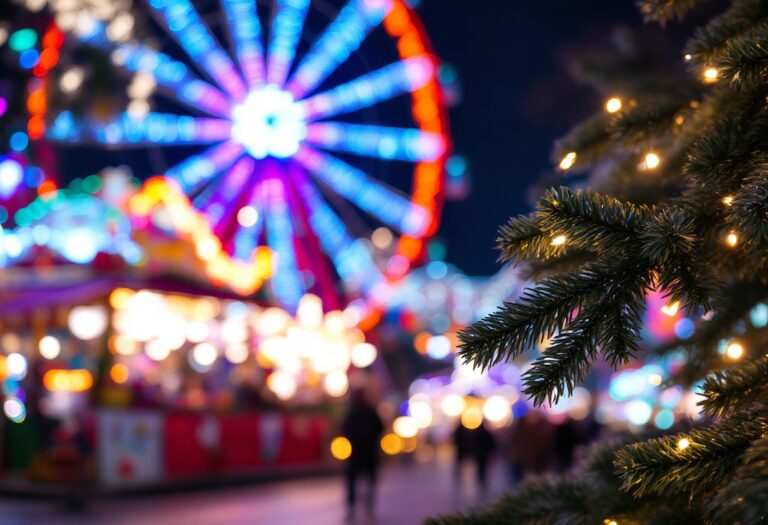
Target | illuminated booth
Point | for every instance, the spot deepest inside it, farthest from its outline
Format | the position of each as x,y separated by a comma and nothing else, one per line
136,382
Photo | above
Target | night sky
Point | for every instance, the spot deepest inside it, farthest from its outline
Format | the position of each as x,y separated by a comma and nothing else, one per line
518,98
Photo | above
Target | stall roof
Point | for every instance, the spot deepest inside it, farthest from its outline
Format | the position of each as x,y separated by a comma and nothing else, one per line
23,292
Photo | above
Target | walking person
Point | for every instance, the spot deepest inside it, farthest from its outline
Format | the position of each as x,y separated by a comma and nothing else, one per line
363,428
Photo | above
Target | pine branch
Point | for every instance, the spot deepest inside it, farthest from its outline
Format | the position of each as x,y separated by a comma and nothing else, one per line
569,261
660,467
651,120
522,238
665,10
736,387
744,499
542,501
590,220
748,214
613,323
591,140
708,43
542,310
744,60
668,235
566,362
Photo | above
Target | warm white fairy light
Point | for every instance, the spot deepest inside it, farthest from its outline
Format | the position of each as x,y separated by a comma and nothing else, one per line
568,161
711,74
683,443
734,351
732,239
559,240
613,105
671,309
652,160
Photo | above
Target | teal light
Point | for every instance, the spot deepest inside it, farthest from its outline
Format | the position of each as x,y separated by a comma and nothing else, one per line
22,40
456,166
664,419
759,316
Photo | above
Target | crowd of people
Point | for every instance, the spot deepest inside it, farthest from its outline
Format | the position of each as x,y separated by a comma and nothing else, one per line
531,445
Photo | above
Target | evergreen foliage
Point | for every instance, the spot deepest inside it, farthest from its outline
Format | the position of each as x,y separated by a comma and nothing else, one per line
678,202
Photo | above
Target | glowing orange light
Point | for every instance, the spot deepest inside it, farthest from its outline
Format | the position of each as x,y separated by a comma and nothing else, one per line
119,373
68,380
47,186
35,128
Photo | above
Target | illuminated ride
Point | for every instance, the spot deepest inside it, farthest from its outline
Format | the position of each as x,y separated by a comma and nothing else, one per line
306,146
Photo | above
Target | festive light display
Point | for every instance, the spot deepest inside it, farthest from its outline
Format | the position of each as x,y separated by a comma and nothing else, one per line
260,189
301,357
76,223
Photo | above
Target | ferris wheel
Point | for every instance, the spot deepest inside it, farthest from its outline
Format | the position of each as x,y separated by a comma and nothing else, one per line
297,143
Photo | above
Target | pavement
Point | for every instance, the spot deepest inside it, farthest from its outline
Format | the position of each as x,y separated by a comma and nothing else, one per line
408,492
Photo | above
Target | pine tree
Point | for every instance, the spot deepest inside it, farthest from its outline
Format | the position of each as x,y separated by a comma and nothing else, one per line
677,202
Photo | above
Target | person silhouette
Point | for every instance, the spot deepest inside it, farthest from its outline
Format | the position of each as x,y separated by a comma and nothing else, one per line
363,428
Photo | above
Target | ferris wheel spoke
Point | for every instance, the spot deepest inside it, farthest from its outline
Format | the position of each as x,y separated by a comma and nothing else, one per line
351,258
184,23
388,82
212,200
247,34
368,194
128,131
287,282
381,142
247,237
171,75
287,27
342,38
196,170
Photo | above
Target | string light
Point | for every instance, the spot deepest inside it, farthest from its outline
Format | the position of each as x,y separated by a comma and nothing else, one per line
732,239
734,351
652,160
671,309
559,240
568,161
683,443
613,104
728,200
655,379
711,75
341,448
687,57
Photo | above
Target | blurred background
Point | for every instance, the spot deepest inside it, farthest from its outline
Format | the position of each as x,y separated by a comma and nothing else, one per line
236,233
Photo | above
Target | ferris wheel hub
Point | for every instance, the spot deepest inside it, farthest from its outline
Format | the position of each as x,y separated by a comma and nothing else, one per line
269,123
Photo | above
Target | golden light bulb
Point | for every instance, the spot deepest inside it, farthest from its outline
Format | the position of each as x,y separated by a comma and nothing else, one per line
613,104
732,239
687,57
655,379
728,200
683,443
671,309
559,240
734,351
568,161
652,160
711,74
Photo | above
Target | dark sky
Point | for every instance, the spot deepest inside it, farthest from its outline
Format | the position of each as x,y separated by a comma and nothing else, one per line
518,98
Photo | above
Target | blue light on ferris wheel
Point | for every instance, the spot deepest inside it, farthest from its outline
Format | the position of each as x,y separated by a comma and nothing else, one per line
268,137
286,33
183,22
247,36
343,36
370,89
